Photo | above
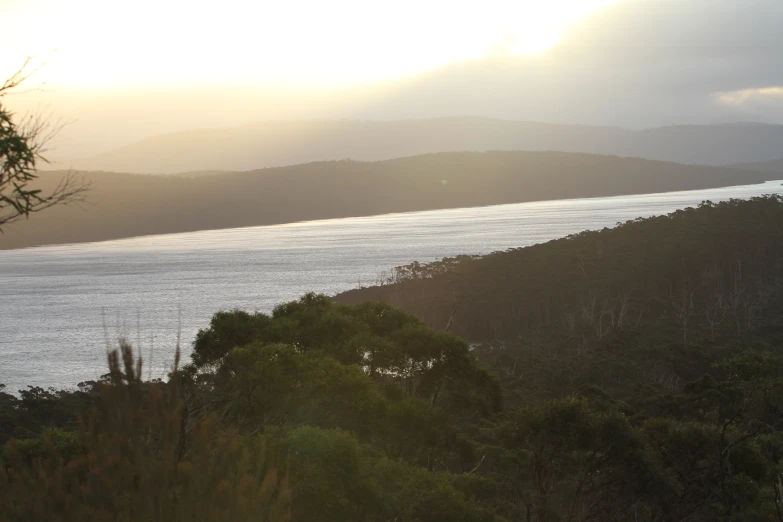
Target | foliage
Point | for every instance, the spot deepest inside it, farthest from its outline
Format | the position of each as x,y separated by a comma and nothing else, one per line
36,410
641,364
316,347
133,461
651,303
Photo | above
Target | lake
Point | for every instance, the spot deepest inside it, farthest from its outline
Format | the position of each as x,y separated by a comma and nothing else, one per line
62,305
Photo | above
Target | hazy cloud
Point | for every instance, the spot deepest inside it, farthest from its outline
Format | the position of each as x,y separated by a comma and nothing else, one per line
752,96
637,63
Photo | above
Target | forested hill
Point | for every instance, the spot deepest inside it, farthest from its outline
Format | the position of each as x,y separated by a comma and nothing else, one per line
124,205
774,166
274,143
659,296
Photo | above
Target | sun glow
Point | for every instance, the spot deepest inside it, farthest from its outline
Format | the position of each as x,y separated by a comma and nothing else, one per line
293,43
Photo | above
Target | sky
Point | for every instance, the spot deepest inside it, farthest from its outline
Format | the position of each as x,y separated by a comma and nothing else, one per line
122,71
312,43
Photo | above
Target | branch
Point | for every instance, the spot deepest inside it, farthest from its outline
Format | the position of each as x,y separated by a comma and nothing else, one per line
480,462
454,311
22,145
23,202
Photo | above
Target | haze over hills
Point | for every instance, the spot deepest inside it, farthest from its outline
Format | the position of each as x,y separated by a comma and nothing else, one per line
125,205
277,143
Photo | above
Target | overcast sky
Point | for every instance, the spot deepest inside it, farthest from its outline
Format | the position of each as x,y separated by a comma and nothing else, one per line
630,63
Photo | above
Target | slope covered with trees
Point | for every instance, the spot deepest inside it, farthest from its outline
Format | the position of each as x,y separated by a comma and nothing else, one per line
124,205
774,166
665,295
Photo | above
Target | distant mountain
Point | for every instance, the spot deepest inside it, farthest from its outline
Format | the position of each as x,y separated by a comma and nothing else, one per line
124,205
278,143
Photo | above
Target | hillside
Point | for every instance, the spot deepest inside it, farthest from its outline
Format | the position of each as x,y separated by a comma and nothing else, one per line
125,205
277,143
774,166
609,305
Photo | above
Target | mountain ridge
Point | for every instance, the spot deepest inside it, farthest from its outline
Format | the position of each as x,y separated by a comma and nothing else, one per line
128,205
293,142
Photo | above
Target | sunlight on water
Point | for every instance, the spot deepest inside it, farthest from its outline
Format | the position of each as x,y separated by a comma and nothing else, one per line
61,304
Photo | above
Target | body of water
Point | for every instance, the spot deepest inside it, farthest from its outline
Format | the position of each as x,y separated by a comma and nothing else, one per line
61,305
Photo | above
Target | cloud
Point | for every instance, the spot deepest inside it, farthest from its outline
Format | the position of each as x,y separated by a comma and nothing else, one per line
752,96
636,63
757,104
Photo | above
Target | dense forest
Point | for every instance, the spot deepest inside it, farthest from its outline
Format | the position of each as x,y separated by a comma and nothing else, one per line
685,281
126,205
632,373
775,166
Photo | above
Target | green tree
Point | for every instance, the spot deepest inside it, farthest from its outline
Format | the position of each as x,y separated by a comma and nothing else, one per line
568,461
394,348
